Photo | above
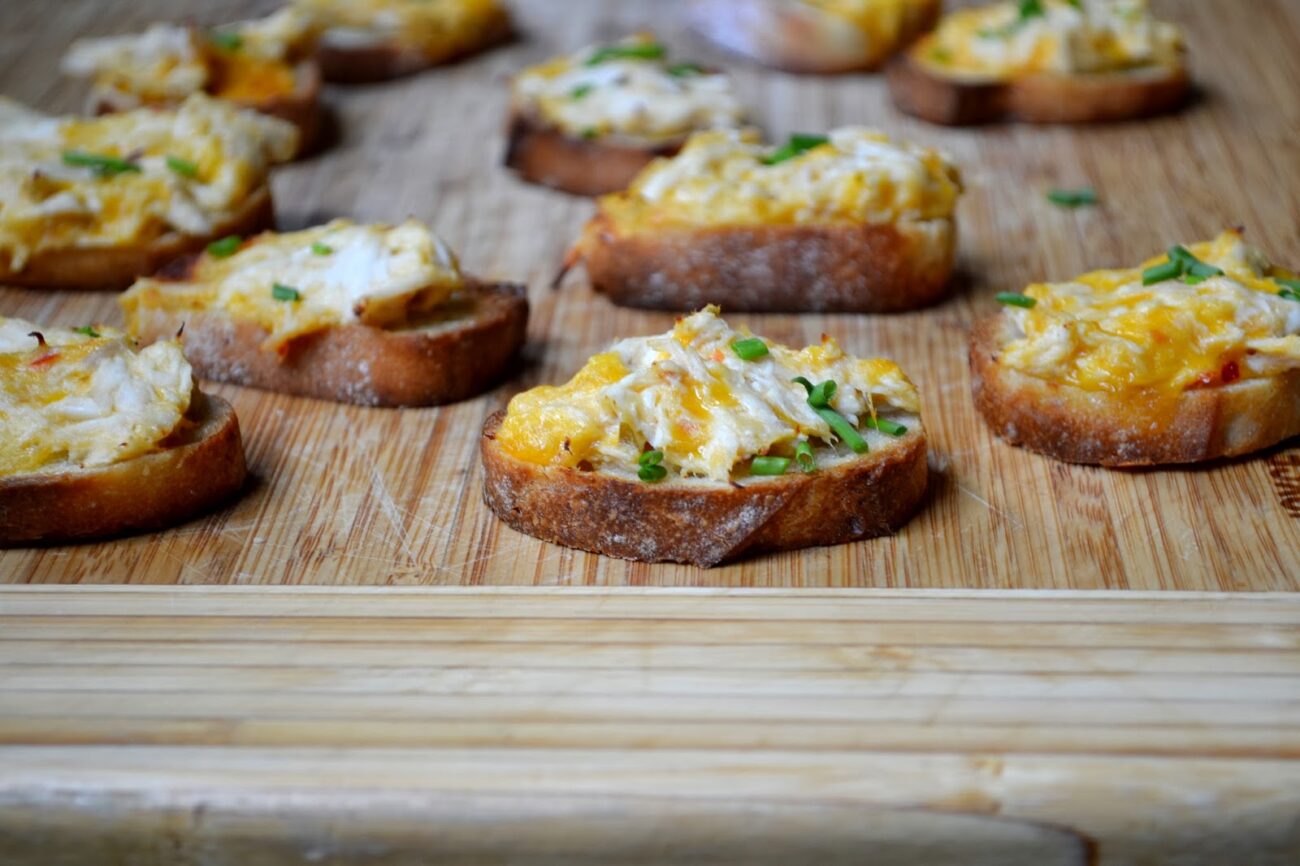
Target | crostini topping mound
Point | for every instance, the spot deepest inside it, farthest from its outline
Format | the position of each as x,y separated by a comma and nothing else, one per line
1199,316
301,282
688,403
129,178
630,89
168,62
1056,36
881,21
730,177
437,26
85,396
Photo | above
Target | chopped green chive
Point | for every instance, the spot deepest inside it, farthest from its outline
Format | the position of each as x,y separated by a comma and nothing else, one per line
1293,285
1194,279
87,330
1014,299
769,465
804,454
1164,271
1031,9
685,70
648,468
884,425
226,40
798,143
101,164
820,396
182,166
636,51
321,249
941,55
1290,294
750,348
1073,197
225,247
581,90
281,292
843,429
1028,9
590,133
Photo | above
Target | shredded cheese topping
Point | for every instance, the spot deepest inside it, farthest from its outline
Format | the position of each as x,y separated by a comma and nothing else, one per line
880,21
438,27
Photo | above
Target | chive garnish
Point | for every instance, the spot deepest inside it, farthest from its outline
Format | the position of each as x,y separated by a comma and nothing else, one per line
1014,299
1293,285
321,249
941,55
750,348
820,396
101,164
1164,271
684,70
581,90
637,51
648,468
884,425
769,465
225,247
226,40
87,330
590,132
798,143
1291,294
804,454
182,166
1027,9
837,422
281,292
1073,197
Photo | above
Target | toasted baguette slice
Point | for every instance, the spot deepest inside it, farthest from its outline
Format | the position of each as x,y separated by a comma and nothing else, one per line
800,38
860,268
1080,426
921,89
706,522
541,153
199,467
349,59
464,348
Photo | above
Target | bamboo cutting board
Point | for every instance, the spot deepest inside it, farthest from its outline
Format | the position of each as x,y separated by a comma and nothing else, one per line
347,495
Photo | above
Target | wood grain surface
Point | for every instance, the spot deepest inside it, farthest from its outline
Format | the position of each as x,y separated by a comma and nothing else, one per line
382,726
360,496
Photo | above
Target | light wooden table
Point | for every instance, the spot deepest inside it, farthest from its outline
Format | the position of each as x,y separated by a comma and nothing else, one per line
948,695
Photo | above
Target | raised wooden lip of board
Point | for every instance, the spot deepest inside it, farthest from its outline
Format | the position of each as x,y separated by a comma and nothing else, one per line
586,725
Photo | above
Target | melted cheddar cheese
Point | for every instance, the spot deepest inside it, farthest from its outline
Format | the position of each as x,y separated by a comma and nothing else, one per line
167,63
439,28
336,274
880,21
648,99
71,399
721,178
1106,331
1054,36
689,394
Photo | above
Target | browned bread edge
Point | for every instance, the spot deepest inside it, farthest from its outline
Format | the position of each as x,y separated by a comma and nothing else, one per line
860,268
1080,426
358,363
115,268
705,523
200,470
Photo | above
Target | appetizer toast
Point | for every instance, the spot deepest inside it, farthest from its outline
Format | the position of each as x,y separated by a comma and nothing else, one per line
367,314
101,438
1194,356
94,203
818,36
850,222
1043,61
588,122
707,444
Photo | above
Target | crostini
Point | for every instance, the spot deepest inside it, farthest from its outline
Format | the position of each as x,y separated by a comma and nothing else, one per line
1195,355
848,222
99,437
588,122
1044,61
816,36
358,41
705,444
160,67
92,203
367,314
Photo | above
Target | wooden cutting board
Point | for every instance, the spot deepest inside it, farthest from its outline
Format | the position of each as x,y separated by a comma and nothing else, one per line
346,495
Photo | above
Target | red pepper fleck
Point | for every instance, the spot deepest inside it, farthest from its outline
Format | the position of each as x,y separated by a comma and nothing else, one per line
1230,372
45,359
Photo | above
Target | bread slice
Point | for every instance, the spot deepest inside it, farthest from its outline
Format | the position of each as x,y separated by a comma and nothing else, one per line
115,268
800,38
354,60
859,268
1080,426
706,522
198,468
543,154
463,348
922,89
